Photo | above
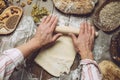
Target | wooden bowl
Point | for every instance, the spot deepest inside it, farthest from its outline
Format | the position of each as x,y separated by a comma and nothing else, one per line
9,19
96,19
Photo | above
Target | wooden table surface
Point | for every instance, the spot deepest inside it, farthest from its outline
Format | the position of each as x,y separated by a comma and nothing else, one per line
101,49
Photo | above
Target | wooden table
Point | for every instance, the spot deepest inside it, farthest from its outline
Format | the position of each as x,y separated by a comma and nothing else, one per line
101,49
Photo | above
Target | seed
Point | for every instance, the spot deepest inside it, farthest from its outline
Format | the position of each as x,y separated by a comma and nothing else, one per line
12,22
110,16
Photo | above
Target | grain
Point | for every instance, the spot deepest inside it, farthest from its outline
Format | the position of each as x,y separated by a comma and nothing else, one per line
110,15
12,21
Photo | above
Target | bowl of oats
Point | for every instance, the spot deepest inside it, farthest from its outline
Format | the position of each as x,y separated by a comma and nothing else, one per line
107,16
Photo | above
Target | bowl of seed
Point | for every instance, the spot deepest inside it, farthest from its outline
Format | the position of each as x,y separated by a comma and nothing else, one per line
107,16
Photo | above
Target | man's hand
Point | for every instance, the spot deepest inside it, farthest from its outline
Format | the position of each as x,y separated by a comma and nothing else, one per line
84,42
44,34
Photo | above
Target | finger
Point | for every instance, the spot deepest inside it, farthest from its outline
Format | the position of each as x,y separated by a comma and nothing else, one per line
89,29
74,38
82,28
53,26
93,32
52,20
92,37
55,37
86,27
44,19
48,19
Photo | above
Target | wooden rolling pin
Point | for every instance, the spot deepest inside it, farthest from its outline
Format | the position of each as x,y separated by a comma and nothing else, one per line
66,30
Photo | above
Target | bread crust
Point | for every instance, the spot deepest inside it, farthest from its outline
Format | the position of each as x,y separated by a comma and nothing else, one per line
75,6
109,70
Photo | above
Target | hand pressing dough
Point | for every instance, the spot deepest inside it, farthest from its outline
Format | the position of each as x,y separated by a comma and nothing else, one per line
57,59
75,6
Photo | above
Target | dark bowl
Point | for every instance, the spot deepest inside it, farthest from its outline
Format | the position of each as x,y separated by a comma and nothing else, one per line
115,47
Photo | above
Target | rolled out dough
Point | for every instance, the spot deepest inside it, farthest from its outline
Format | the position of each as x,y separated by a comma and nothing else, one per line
57,59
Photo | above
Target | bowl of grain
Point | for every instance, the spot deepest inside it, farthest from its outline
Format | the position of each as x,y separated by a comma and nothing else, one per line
107,16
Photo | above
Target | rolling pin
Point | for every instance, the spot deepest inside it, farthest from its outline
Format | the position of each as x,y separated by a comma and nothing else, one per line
66,30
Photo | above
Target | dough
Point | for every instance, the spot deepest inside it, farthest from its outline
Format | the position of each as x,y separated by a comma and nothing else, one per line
57,59
75,6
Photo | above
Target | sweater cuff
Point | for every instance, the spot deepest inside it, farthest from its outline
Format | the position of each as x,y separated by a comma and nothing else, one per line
88,61
15,55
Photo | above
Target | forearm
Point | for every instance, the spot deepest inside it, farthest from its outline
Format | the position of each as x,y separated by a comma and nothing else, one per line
90,70
86,55
29,47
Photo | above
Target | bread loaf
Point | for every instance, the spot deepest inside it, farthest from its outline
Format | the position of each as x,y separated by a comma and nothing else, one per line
109,70
75,6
